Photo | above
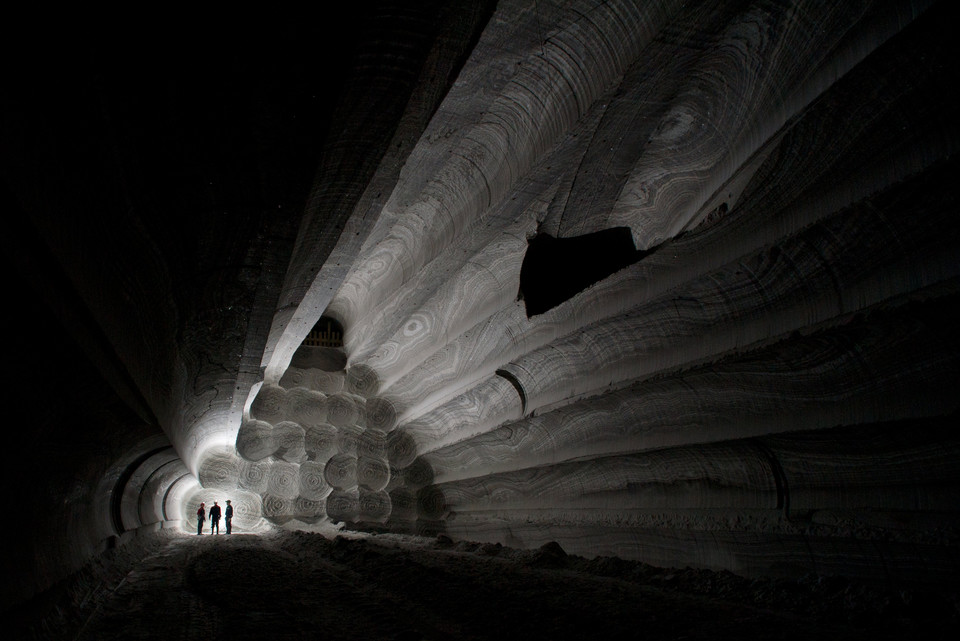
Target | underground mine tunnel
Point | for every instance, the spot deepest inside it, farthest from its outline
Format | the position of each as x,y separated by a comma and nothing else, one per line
518,319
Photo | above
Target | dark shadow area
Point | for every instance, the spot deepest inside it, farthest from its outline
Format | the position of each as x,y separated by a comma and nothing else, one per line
299,585
554,270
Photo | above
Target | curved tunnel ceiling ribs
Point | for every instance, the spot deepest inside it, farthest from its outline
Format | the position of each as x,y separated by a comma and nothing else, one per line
784,164
665,280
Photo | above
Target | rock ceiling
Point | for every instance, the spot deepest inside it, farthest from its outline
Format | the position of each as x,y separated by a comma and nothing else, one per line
763,379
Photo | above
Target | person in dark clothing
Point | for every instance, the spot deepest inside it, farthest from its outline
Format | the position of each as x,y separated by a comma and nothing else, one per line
201,513
215,518
228,515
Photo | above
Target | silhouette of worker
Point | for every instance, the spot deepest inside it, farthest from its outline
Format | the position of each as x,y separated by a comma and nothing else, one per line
215,518
228,515
200,518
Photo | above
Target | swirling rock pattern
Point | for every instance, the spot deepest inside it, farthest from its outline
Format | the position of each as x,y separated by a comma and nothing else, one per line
283,480
800,266
382,413
372,474
290,441
345,410
306,407
221,469
320,442
277,509
372,444
256,440
308,510
783,169
269,404
247,512
313,485
340,471
738,396
348,439
344,505
313,379
770,386
253,477
373,506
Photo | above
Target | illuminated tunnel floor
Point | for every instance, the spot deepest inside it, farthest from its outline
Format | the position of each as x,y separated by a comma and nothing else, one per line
298,585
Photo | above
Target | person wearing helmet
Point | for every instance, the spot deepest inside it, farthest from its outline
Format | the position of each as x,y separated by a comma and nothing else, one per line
228,515
201,517
215,518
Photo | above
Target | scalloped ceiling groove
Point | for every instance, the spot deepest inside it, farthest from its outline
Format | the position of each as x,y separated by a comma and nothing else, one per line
755,373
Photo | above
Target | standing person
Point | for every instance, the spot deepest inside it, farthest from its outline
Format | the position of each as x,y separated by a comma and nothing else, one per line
228,515
215,518
201,513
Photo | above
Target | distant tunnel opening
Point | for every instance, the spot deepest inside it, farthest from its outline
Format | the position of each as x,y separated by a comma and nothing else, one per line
327,332
555,270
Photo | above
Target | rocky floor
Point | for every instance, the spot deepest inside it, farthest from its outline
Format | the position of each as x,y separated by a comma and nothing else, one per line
300,585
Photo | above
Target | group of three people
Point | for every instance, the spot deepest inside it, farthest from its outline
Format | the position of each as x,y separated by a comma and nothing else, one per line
214,518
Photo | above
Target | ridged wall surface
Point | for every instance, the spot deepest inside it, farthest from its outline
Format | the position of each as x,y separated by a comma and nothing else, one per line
761,392
768,387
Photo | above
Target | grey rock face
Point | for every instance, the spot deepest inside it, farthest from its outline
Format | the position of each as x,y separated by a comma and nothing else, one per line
767,386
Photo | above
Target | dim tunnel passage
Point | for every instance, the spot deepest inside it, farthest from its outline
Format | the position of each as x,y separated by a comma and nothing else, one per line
554,270
116,496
